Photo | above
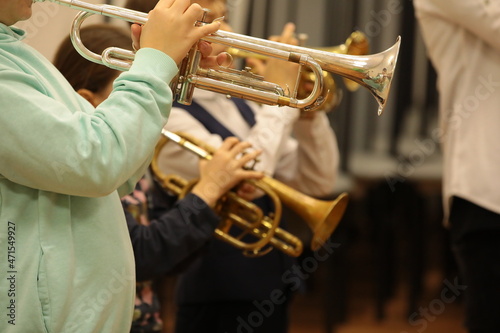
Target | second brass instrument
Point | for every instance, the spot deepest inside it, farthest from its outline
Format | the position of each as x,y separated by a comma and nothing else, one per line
374,72
356,44
321,216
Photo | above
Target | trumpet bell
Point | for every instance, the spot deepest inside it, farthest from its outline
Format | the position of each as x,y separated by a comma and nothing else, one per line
321,216
331,216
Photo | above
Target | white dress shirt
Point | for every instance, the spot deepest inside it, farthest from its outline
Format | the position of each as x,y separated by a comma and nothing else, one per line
463,43
308,161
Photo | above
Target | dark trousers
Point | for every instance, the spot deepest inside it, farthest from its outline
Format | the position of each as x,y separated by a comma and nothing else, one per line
233,317
475,235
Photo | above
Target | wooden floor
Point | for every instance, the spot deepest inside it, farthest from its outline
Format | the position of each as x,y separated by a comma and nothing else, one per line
309,313
433,316
433,313
370,270
308,317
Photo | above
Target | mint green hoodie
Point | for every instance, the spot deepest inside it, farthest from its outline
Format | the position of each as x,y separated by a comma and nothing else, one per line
66,262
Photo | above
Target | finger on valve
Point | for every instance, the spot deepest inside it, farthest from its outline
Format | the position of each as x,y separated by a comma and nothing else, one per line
170,28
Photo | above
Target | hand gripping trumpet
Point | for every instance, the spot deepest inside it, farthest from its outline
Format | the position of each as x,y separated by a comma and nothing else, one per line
321,216
374,72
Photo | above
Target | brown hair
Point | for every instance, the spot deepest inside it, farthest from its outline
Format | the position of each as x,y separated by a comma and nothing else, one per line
82,73
144,6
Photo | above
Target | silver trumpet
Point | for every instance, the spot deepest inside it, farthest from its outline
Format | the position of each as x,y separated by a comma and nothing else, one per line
374,72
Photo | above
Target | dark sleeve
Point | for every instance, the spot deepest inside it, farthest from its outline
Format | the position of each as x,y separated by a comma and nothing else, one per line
171,238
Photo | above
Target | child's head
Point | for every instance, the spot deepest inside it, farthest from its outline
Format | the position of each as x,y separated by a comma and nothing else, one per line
13,11
91,80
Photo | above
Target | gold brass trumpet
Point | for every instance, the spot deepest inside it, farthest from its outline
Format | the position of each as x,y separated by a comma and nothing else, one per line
321,216
374,72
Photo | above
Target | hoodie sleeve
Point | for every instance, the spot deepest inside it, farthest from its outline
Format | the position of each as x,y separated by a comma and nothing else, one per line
55,141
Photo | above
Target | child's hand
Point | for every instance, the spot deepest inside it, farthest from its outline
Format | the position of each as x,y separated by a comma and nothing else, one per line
207,60
171,28
279,71
249,192
225,170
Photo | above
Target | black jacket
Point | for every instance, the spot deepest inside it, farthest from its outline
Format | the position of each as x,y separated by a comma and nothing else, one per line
173,237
